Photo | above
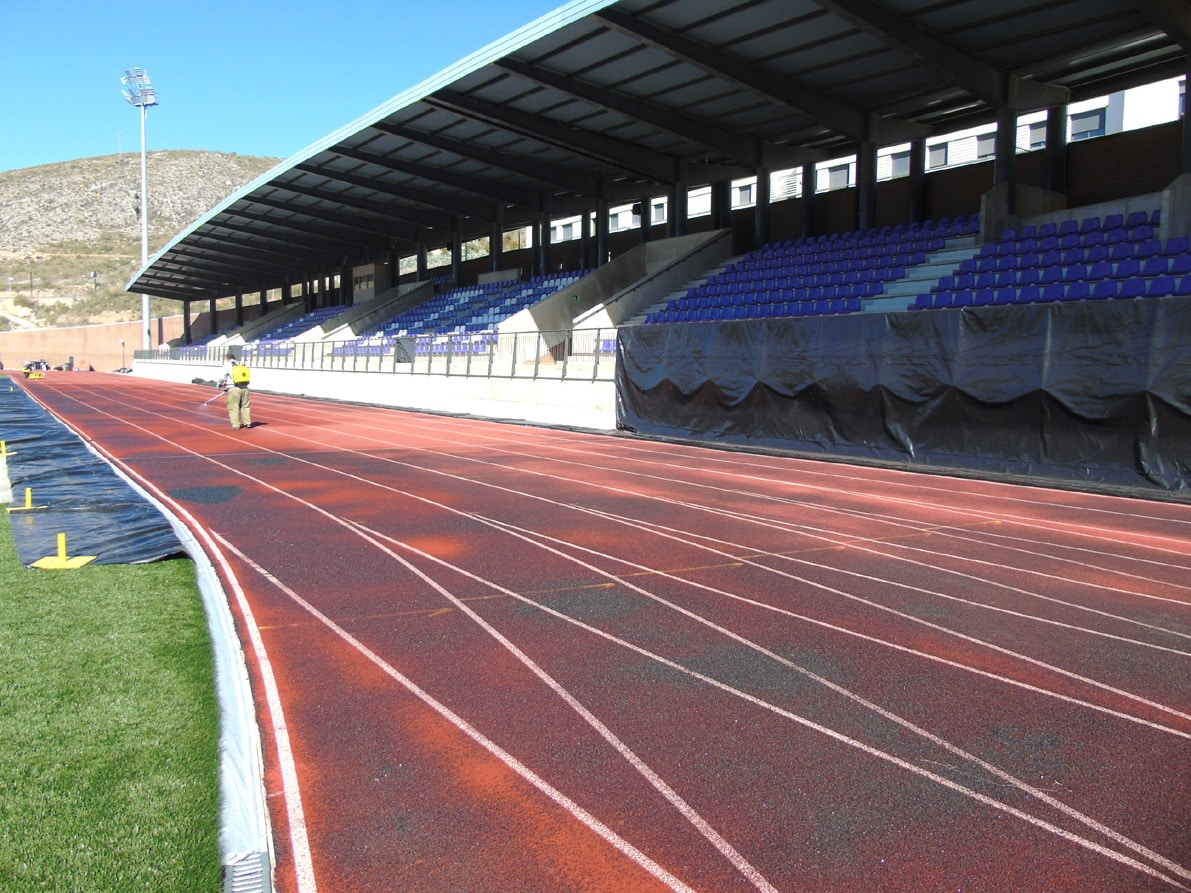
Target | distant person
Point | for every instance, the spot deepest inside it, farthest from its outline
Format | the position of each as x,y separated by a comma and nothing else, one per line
235,379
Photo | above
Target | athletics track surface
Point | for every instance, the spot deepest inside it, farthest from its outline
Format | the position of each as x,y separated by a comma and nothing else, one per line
509,658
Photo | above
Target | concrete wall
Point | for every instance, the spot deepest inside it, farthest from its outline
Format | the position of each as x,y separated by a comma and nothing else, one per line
570,403
98,346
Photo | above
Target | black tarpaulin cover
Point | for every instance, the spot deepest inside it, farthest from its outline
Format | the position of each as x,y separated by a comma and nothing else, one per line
1093,392
85,498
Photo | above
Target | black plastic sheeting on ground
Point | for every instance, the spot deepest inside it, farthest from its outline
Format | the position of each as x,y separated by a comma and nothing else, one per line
1095,393
85,498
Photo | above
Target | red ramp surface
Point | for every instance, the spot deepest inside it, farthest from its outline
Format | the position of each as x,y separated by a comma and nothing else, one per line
492,657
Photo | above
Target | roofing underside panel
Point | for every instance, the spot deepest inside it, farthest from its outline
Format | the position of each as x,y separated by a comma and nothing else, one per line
603,101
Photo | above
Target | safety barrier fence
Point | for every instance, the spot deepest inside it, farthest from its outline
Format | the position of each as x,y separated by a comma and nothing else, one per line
584,354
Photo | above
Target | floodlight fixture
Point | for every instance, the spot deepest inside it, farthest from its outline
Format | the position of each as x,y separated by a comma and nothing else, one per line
138,90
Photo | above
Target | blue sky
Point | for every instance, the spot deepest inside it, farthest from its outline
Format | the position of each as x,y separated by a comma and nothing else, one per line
254,77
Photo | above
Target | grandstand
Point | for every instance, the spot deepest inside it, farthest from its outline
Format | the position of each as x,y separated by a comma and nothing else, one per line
949,257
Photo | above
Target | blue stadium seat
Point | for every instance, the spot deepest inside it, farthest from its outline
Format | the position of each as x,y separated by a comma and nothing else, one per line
1105,288
1029,294
1076,272
1137,218
1182,286
1120,251
1056,291
1048,229
1177,245
1113,221
1160,287
1068,227
1077,291
1005,296
1028,276
1155,266
1148,248
1127,268
1050,274
1100,270
1089,224
1074,255
1180,265
1132,288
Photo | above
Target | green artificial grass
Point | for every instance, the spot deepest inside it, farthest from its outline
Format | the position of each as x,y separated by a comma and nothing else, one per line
109,729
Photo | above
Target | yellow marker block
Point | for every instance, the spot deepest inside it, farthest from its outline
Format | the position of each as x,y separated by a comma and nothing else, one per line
28,506
4,449
60,562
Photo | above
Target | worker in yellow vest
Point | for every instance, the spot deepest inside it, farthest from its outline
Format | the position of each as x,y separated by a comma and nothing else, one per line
235,379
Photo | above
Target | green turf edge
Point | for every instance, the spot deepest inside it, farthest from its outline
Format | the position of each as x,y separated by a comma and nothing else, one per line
109,729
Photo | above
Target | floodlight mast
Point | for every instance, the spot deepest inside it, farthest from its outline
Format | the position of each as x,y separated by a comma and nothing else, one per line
138,90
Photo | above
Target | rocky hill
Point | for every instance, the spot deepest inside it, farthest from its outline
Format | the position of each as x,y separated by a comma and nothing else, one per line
59,223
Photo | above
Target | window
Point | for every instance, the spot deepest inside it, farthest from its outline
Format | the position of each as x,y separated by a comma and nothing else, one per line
838,176
899,164
1036,135
936,156
659,213
744,196
986,145
1087,124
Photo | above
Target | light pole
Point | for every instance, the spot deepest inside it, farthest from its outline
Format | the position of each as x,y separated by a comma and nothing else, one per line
138,90
123,365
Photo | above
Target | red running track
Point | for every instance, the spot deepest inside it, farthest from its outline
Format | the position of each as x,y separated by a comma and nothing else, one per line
509,658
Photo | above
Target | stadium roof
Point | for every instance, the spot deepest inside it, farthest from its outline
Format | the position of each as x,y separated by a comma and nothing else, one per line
614,101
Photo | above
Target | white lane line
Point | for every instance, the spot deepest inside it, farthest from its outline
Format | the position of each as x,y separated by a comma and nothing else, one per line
673,797
574,809
1109,536
865,747
657,529
742,865
678,536
919,482
299,837
1070,812
835,538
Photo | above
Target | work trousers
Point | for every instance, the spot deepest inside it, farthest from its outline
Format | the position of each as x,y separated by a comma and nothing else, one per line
239,407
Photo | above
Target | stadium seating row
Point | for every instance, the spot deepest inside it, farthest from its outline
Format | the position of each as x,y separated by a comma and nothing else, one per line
1079,290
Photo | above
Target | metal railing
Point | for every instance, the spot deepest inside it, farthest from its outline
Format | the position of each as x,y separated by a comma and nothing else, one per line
583,354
